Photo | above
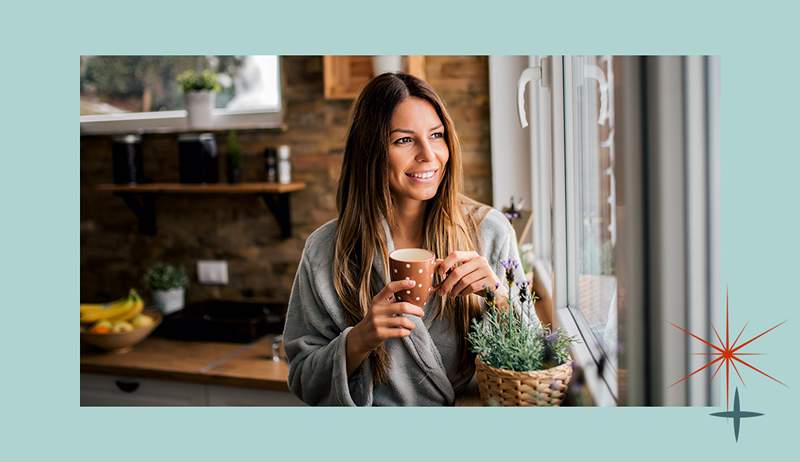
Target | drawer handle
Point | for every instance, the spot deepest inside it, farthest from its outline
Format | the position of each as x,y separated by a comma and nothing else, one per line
127,387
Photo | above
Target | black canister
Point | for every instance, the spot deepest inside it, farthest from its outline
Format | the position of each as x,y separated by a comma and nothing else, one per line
198,158
126,159
271,164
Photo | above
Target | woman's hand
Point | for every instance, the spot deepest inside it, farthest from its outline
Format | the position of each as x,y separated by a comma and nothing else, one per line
383,319
464,273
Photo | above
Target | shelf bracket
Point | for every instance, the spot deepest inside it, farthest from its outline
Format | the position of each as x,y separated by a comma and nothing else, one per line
278,204
143,206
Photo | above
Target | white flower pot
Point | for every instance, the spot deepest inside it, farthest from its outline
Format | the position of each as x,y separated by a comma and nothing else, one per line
381,64
169,301
199,107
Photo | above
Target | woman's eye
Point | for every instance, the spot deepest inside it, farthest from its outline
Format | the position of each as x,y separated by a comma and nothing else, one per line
438,135
403,140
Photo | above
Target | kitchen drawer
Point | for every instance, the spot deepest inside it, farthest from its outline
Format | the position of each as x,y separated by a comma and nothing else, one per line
235,396
110,390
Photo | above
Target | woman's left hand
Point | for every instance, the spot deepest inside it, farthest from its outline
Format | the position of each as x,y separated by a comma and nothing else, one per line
464,273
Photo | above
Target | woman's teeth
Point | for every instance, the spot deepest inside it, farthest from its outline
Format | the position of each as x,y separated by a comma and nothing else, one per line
422,176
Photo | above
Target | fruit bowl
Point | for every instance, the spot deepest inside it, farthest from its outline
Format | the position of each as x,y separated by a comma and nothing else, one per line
123,341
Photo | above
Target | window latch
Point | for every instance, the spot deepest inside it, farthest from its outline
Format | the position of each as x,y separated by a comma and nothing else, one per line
531,74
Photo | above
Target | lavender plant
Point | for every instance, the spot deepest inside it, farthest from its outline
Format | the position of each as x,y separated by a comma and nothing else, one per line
510,338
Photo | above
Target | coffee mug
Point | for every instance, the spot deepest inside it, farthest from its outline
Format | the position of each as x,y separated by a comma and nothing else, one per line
417,265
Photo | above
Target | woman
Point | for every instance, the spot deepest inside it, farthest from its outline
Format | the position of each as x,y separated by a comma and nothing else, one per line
348,341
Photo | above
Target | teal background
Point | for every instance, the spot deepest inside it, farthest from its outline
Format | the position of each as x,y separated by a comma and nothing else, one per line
40,415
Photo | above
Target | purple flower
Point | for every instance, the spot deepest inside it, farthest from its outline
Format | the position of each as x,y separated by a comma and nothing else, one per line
489,295
524,292
509,266
551,337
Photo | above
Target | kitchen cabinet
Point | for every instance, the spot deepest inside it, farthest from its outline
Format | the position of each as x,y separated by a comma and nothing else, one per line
233,396
345,76
111,390
165,372
118,390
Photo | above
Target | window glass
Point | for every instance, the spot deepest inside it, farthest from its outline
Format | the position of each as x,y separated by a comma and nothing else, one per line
593,220
128,84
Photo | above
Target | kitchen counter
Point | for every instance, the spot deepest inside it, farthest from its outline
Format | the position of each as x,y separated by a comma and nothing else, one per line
234,364
247,365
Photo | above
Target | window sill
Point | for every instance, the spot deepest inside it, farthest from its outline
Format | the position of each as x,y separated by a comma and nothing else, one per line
602,393
176,122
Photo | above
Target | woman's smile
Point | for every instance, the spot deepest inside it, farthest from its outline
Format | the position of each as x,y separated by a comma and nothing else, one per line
423,176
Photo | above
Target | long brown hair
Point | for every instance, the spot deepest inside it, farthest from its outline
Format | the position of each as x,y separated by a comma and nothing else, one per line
450,222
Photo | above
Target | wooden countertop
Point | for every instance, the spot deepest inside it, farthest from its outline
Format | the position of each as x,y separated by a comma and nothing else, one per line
233,364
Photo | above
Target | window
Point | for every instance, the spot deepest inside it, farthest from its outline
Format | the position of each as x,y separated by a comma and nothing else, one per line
141,93
572,140
591,203
626,216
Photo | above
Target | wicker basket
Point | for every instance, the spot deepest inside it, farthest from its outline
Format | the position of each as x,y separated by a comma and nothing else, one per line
502,387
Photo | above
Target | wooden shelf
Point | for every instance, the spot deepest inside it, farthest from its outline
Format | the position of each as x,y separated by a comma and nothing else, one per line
140,198
345,76
204,188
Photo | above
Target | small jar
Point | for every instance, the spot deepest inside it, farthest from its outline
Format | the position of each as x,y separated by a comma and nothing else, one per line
284,165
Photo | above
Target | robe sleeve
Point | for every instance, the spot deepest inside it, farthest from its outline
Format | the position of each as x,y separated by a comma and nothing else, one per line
315,349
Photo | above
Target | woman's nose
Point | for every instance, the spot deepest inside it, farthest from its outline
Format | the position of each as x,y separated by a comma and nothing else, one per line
426,152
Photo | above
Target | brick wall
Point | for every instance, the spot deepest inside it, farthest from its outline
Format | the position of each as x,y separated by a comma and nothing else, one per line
239,228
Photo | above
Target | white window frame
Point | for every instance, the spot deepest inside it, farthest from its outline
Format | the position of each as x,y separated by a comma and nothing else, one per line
176,121
569,314
562,234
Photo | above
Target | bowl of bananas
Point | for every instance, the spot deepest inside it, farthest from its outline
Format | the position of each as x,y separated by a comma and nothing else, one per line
119,325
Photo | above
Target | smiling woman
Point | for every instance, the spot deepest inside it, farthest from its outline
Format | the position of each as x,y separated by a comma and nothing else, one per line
349,341
418,151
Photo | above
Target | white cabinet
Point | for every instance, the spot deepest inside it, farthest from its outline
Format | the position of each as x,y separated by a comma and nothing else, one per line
111,390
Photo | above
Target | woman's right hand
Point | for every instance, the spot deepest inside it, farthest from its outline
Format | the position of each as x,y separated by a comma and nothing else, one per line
384,318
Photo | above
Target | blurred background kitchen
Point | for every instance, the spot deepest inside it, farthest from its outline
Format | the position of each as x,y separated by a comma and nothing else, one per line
606,166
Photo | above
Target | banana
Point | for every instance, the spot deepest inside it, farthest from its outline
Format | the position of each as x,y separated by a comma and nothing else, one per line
114,310
136,309
91,307
97,307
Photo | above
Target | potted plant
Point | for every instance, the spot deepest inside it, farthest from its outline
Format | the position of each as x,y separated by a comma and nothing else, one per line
233,158
167,283
519,362
199,89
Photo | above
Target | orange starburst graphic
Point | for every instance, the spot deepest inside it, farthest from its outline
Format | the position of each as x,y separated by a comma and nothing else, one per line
727,353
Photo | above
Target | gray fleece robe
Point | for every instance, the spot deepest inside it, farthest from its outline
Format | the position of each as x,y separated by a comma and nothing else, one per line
424,364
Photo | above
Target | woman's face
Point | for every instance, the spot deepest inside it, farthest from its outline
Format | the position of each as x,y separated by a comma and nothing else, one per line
418,152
